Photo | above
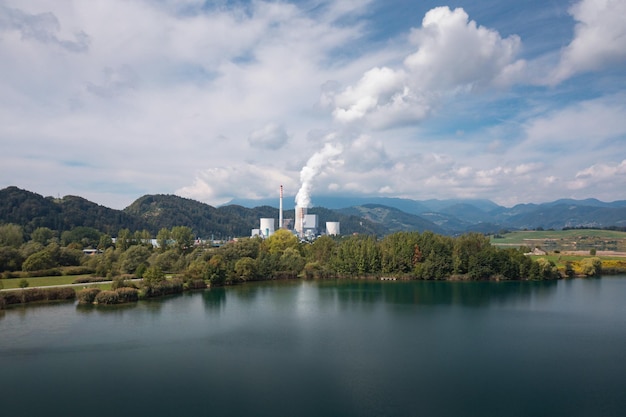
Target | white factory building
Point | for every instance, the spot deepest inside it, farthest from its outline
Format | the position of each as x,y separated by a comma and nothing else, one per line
305,225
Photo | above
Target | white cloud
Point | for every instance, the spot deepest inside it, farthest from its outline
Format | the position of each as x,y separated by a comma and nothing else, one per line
599,38
600,175
453,55
455,52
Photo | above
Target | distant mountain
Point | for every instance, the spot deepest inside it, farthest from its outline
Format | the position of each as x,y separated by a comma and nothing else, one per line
394,220
378,216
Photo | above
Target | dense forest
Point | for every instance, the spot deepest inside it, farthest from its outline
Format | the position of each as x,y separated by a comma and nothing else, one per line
405,255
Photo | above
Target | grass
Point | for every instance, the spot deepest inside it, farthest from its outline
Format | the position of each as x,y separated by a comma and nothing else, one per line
574,239
610,264
12,283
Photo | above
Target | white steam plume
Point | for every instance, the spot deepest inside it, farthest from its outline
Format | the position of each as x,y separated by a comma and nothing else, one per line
312,169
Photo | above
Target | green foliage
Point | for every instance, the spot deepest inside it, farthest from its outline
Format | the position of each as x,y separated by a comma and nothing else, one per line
245,268
215,270
132,258
11,235
42,235
183,238
291,263
10,259
281,240
163,239
591,267
153,276
24,283
119,282
87,237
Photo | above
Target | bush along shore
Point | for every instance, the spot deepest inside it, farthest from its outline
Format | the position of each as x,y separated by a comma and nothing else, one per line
399,256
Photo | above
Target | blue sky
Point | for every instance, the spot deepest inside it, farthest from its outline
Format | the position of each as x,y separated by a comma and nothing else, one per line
510,101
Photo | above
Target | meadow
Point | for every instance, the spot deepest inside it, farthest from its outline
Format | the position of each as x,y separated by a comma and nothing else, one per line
572,240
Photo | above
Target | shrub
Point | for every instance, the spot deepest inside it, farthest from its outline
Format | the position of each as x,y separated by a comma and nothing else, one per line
23,283
127,295
12,297
54,272
60,293
79,270
120,282
107,297
196,284
33,294
86,280
87,295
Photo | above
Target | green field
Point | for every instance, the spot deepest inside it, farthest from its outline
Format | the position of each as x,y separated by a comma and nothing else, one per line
565,240
10,283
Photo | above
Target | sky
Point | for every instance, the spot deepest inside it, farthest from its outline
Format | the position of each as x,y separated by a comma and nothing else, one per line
515,102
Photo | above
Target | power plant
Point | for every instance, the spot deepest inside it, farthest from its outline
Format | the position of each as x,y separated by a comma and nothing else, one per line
304,225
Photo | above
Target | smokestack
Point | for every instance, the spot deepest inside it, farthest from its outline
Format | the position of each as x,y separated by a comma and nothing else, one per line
280,209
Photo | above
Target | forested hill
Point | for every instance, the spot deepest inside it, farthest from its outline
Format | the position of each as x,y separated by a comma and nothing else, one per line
31,210
206,221
152,213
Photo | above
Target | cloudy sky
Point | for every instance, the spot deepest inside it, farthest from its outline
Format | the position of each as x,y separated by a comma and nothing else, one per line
511,101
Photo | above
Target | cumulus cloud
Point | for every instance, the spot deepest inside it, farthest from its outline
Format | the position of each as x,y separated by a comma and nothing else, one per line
219,185
453,54
599,174
599,38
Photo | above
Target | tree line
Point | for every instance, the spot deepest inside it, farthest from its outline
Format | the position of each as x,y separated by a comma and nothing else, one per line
404,255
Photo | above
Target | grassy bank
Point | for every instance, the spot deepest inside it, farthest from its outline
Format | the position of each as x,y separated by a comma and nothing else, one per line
564,240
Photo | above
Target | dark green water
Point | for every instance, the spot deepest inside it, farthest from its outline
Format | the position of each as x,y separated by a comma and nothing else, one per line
326,349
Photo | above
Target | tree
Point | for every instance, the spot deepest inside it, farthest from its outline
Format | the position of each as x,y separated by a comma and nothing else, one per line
291,262
216,270
11,235
163,239
38,261
281,240
321,250
183,238
245,268
133,257
123,241
10,259
42,235
105,242
153,275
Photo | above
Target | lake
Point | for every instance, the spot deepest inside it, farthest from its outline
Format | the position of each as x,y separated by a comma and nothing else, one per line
326,348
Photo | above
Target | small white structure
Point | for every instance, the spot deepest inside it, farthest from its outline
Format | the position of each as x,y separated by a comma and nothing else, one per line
332,228
267,227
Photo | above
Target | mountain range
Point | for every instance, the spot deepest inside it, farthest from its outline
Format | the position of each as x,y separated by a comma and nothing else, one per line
377,216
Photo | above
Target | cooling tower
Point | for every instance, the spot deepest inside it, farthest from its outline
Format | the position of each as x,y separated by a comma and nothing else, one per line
267,227
332,228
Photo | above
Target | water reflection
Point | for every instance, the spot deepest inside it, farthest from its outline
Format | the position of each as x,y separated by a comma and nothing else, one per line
214,299
467,294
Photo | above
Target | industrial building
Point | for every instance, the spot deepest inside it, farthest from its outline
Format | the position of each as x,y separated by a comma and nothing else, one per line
305,225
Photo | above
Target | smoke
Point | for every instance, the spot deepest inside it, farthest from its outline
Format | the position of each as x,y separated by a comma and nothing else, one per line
312,169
